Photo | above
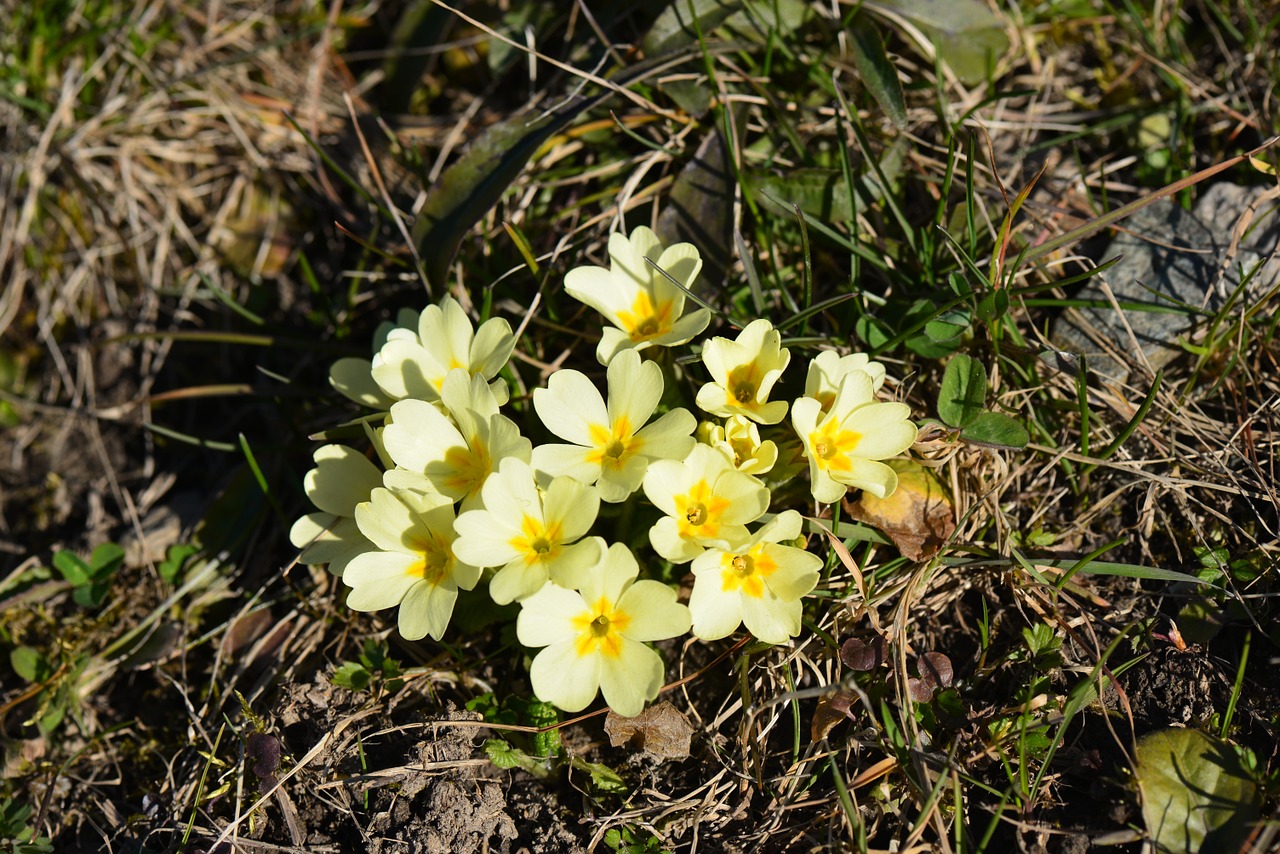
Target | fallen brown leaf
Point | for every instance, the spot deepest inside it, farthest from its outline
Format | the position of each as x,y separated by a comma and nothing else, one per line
661,730
831,711
918,516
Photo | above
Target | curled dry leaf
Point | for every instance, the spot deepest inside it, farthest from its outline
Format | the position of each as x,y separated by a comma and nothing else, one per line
918,516
831,710
919,690
862,656
935,668
661,730
935,672
263,750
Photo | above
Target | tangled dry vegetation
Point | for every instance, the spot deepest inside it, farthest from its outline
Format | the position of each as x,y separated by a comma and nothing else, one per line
204,206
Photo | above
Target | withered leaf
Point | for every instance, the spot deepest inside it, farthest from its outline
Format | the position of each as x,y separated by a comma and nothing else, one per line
859,655
918,516
935,668
935,672
263,750
661,730
831,710
920,690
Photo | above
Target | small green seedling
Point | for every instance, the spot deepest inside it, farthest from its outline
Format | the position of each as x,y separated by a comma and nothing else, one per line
962,405
16,833
374,669
90,580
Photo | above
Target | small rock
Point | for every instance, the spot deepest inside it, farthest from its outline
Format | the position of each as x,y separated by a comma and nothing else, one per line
1171,257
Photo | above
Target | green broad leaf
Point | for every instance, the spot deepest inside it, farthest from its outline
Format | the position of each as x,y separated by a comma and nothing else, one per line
678,25
948,327
968,36
1196,793
504,756
546,743
469,188
28,663
699,210
995,430
175,558
352,675
106,559
876,71
993,306
872,332
823,194
939,334
604,780
73,568
93,594
964,391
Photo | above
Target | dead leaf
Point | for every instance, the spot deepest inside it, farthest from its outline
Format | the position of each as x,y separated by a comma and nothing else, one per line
918,516
935,668
831,711
661,730
935,672
862,656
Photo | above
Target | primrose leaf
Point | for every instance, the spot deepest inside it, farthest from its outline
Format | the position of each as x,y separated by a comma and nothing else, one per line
995,430
1196,794
967,34
964,390
677,26
876,71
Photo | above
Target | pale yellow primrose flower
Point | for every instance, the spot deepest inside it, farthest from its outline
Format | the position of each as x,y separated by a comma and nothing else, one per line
739,440
706,500
843,444
457,455
353,378
643,305
744,371
414,364
343,477
532,535
759,584
612,447
595,636
414,566
828,368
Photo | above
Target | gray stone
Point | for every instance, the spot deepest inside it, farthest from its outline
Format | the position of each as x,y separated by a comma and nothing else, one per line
1173,259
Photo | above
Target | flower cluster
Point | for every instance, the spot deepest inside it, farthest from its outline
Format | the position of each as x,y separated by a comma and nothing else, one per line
452,495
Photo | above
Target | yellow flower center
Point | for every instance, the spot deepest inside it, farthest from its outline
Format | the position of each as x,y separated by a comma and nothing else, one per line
469,465
832,445
537,542
743,385
612,444
698,511
436,558
600,630
646,320
746,573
